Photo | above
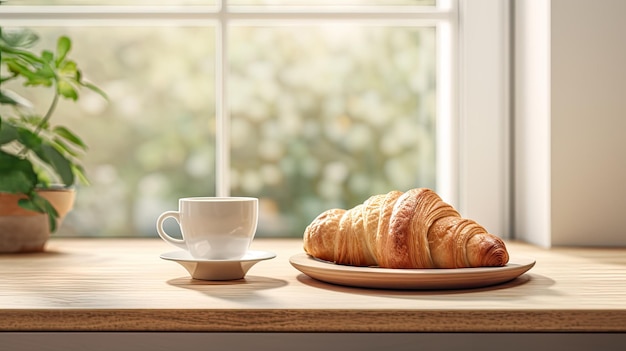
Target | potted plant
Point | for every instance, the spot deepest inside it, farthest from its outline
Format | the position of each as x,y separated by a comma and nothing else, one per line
39,161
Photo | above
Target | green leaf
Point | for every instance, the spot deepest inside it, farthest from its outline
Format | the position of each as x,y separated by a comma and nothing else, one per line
37,203
29,204
43,178
79,171
69,69
16,175
16,181
47,56
60,145
67,90
7,100
69,136
8,133
52,215
94,89
64,44
15,54
19,68
28,138
46,72
42,76
19,37
34,120
60,163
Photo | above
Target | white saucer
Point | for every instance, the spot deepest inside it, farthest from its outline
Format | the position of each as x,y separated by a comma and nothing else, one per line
205,269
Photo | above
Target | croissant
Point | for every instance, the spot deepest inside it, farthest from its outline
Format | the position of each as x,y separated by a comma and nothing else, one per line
414,229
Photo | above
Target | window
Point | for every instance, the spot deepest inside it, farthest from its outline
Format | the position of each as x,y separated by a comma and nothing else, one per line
305,104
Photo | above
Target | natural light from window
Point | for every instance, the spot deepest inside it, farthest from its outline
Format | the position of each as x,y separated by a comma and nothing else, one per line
322,107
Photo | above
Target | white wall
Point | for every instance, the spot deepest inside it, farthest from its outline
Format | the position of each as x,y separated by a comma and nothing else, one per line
570,122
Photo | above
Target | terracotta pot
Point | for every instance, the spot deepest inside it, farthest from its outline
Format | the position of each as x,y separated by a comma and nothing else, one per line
27,231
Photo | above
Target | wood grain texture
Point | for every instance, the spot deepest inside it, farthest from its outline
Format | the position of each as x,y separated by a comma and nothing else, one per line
123,285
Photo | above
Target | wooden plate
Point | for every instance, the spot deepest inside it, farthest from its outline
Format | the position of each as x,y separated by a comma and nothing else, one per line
421,279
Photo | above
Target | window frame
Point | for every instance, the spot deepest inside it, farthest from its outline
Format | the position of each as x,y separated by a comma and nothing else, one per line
473,134
485,177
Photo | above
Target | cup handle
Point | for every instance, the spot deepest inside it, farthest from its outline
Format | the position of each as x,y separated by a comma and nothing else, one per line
159,226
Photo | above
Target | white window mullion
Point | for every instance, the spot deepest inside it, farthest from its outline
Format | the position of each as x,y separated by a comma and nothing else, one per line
222,133
447,107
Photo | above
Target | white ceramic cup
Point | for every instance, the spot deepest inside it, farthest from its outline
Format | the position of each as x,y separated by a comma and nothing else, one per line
214,228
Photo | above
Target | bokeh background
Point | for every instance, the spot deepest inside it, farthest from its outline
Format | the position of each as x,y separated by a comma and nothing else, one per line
322,115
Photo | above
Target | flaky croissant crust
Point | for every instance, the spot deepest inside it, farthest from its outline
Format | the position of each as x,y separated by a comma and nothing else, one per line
412,229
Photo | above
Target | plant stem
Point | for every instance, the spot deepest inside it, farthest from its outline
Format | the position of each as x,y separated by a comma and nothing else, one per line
44,120
48,114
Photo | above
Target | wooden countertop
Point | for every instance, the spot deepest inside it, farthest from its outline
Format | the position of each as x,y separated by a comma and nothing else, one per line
123,285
